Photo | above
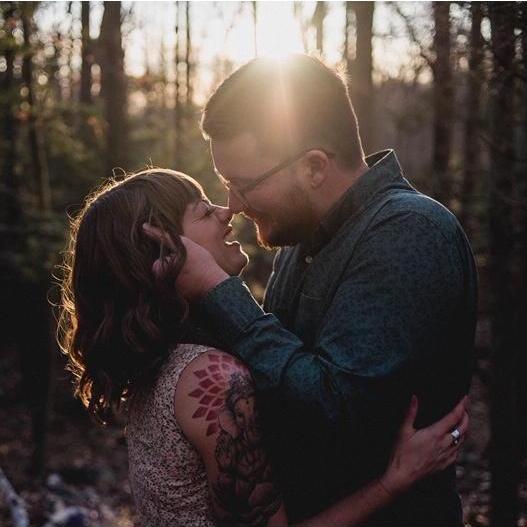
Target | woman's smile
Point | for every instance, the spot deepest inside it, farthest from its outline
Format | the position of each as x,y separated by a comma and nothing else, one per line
209,226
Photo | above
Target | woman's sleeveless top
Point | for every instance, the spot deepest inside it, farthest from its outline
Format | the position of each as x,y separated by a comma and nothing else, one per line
167,475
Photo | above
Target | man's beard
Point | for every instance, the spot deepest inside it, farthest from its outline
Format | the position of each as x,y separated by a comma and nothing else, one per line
292,224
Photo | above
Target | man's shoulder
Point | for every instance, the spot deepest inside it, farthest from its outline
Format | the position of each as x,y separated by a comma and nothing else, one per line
418,207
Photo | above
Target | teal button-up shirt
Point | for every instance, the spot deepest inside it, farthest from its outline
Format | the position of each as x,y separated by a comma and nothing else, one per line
380,304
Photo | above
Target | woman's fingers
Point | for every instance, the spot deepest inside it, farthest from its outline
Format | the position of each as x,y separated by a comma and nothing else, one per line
161,265
407,427
159,235
464,424
448,460
447,423
449,453
448,441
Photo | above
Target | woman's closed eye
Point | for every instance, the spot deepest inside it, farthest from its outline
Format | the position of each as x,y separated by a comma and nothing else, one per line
209,210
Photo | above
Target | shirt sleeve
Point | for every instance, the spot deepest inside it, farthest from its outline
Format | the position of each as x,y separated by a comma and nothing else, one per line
395,298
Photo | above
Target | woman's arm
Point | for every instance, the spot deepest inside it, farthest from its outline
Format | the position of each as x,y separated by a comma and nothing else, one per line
417,454
215,406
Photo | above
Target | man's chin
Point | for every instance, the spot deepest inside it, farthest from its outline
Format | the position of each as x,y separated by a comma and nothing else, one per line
269,238
264,234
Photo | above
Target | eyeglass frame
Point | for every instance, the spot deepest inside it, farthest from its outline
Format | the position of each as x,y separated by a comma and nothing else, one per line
251,185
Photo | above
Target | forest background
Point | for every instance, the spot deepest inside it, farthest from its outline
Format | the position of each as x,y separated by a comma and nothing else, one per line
86,87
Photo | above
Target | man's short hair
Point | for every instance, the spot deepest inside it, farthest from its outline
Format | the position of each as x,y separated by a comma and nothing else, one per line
287,105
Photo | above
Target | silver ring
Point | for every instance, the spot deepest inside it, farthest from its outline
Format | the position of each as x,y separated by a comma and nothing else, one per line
456,434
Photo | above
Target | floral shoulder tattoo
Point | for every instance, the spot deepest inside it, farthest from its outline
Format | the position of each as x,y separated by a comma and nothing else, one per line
244,489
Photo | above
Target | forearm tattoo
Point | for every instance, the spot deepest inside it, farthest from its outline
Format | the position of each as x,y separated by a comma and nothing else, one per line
244,488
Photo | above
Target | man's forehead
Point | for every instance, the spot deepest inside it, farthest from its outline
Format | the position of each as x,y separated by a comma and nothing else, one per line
236,154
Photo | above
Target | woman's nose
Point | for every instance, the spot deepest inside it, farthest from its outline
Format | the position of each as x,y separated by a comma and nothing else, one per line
224,214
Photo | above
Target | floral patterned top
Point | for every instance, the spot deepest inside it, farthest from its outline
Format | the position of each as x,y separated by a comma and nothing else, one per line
167,475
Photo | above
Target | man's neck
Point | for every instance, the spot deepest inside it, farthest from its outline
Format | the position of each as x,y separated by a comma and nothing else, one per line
341,182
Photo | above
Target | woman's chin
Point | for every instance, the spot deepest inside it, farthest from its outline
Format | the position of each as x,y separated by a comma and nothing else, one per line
240,265
236,261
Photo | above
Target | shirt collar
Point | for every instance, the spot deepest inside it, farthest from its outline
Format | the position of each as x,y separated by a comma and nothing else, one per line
384,172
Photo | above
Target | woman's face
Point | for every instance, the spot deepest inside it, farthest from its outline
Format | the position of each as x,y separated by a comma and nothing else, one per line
208,225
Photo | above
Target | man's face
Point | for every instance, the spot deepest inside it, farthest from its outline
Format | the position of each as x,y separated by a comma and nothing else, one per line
279,205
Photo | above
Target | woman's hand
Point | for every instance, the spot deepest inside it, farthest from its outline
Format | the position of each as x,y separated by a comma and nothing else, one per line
199,274
419,453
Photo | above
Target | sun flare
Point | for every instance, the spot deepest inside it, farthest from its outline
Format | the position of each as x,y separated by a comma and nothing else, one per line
278,33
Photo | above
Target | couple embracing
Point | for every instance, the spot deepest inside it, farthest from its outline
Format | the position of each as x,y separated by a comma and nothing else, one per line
341,400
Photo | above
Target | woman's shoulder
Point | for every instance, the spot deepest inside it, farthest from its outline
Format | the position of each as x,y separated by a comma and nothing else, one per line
215,361
208,373
195,362
204,388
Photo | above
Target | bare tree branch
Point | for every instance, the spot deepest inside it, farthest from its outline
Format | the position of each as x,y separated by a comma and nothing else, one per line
423,53
13,502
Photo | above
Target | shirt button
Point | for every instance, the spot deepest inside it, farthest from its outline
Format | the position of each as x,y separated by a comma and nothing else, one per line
308,259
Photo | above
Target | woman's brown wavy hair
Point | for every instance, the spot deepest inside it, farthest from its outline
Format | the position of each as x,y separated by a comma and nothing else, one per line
117,322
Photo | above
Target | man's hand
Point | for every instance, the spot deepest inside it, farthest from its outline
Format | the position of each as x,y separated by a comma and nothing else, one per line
200,272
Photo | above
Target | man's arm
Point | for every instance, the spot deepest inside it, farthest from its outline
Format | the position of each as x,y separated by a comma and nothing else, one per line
215,406
401,283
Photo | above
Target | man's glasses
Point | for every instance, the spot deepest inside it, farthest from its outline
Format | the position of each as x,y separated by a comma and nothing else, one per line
240,191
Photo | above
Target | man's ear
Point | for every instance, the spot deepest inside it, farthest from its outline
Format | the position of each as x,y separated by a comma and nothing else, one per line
317,164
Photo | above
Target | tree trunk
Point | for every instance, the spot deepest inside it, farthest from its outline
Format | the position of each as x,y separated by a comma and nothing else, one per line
11,214
443,94
177,102
188,65
504,449
163,75
54,67
35,345
298,14
346,52
361,71
318,22
11,209
38,156
255,27
166,114
113,86
87,57
473,123
521,315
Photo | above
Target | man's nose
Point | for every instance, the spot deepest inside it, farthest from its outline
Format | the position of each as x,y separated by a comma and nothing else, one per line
234,203
224,214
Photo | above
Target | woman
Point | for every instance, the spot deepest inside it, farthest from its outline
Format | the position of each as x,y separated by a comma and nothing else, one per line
195,446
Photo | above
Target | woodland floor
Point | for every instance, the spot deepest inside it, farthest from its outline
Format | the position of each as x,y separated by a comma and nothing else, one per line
87,464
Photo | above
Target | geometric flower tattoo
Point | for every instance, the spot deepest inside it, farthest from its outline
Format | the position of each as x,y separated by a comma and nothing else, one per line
212,387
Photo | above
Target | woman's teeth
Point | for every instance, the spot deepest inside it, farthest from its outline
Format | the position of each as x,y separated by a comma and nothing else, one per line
228,239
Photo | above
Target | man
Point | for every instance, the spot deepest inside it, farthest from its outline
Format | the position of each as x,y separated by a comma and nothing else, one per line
372,296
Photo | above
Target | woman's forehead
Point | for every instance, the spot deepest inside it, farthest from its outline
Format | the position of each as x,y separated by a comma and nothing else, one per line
203,200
